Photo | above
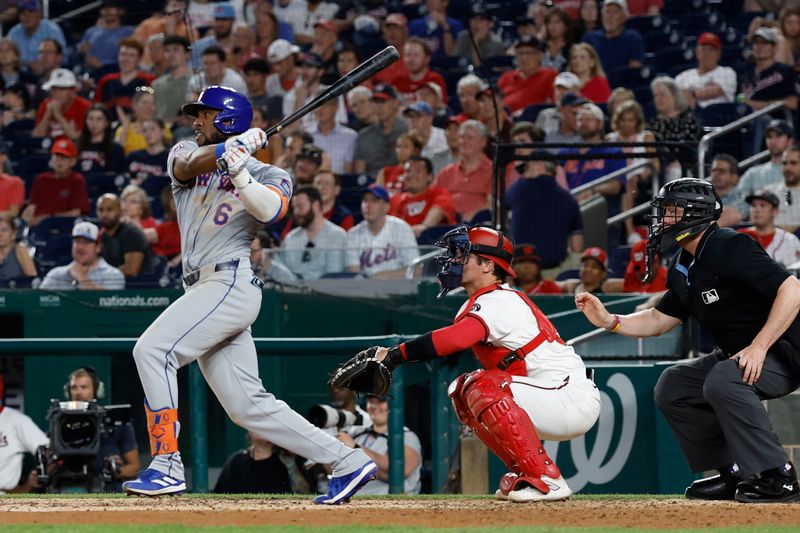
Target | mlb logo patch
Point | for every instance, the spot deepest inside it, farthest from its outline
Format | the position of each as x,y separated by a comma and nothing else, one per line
709,297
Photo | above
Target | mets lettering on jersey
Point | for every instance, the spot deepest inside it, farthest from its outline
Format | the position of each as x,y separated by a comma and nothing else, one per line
393,247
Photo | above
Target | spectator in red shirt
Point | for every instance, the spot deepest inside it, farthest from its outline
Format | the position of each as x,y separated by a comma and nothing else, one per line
60,192
165,238
585,63
527,265
529,83
420,204
395,33
417,59
12,190
117,88
63,112
634,273
469,179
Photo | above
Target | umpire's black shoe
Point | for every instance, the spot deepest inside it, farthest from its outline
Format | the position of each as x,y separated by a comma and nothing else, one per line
719,487
777,485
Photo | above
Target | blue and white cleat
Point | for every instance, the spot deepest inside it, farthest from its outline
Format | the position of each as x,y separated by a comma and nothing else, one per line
154,483
342,488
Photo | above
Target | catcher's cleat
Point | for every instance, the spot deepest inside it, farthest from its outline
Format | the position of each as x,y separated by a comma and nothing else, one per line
559,490
154,483
342,488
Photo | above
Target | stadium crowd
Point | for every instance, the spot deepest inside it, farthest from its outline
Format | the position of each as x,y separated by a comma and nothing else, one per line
91,107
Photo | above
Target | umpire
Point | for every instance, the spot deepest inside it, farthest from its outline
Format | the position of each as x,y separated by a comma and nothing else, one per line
749,304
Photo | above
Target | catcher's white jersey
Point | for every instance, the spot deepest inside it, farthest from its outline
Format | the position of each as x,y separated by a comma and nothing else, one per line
18,435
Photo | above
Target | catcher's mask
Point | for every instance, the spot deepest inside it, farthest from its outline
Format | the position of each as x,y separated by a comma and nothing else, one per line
462,241
683,208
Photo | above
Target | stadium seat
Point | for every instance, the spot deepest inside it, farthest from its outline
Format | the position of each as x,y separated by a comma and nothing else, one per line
718,115
153,186
431,235
618,261
696,22
494,67
666,58
572,273
153,279
18,127
353,187
532,111
655,40
24,144
30,167
674,9
49,227
56,251
647,24
631,77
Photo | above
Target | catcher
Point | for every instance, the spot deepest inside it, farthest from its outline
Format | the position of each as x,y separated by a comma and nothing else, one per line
532,385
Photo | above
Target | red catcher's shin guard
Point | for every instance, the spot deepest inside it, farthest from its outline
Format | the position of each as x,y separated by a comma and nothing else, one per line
489,399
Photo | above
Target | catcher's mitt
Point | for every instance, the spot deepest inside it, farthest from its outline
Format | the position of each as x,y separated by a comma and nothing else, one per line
364,373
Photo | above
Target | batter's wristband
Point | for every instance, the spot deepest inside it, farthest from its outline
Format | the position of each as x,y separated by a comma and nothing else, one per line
219,150
615,326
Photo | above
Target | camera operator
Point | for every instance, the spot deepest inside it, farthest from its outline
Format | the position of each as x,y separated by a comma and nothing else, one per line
120,445
374,440
18,435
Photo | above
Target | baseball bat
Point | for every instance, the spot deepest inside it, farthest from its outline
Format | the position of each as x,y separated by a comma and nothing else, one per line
365,70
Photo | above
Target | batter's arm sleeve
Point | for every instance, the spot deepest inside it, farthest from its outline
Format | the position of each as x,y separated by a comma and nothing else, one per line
266,193
445,341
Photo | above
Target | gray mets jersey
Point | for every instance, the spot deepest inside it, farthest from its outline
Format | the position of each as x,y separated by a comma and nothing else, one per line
215,226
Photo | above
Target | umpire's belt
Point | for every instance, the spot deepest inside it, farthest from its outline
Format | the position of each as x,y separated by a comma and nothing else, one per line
193,277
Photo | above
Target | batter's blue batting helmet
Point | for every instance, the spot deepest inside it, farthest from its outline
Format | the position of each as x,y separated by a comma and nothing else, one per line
235,111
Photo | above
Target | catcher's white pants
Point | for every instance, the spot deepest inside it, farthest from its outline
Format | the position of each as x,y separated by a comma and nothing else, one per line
211,323
559,410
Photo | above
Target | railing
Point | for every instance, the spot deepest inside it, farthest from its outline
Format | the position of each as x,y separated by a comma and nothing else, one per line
702,147
752,160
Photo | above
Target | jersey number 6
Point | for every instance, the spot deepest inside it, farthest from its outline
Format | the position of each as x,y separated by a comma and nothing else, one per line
221,216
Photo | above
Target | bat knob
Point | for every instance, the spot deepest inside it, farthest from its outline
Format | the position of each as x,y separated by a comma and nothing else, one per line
222,165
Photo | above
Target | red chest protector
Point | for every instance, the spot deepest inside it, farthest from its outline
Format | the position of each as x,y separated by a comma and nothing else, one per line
511,361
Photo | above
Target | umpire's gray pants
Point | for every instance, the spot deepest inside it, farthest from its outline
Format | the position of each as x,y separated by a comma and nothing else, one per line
719,419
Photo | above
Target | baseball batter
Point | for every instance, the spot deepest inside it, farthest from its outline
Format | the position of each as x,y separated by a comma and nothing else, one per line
533,386
218,213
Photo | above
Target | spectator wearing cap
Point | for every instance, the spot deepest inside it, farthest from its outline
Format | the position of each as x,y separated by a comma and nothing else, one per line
708,83
375,143
558,38
12,189
255,72
311,70
724,177
617,46
116,89
548,120
633,281
168,22
420,121
125,245
674,122
59,192
593,275
281,57
374,440
780,136
171,87
766,81
544,213
439,30
585,64
214,72
88,270
316,246
431,93
468,88
63,112
590,124
481,24
394,30
417,58
419,204
788,191
31,30
528,266
381,245
222,34
303,15
306,164
100,42
567,131
335,139
469,180
782,246
529,83
450,155
326,35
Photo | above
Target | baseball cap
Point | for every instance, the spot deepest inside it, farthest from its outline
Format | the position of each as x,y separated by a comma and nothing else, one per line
480,12
310,58
29,5
384,91
433,86
568,80
766,195
780,126
311,152
224,11
328,25
455,119
596,111
85,230
378,192
596,253
64,146
623,4
531,41
571,99
709,39
398,19
419,106
61,77
768,34
366,23
257,64
526,252
280,49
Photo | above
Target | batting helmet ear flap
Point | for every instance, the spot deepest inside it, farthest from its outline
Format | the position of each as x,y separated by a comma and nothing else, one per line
99,386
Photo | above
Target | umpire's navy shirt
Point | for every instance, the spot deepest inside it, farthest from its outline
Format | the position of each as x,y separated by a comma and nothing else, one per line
729,287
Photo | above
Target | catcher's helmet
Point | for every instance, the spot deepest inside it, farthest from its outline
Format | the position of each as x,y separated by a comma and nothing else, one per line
462,241
235,112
